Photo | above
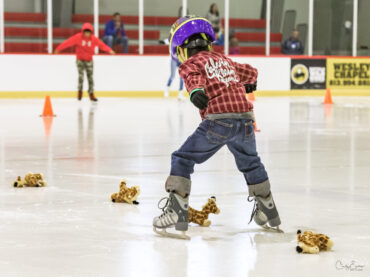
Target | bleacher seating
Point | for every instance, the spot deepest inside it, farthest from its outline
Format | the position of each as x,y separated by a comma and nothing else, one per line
41,32
25,17
33,38
127,19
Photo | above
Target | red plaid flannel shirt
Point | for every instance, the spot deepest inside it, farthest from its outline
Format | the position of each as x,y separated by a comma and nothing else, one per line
222,80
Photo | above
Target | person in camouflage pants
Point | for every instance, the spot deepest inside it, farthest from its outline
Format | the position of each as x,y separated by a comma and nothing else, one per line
87,66
85,43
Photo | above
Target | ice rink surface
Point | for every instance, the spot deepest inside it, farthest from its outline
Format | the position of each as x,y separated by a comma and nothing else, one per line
318,160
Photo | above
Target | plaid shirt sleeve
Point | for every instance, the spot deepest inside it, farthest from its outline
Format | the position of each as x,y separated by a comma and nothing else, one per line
192,76
247,74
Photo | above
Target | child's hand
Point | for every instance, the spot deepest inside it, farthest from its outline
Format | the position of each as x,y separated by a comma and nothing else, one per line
249,88
112,52
199,99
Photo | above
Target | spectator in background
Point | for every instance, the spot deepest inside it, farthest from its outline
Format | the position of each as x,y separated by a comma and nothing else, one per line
220,38
114,33
214,17
292,46
234,48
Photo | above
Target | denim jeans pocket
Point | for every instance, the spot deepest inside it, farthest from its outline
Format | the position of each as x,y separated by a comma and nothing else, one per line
219,130
249,129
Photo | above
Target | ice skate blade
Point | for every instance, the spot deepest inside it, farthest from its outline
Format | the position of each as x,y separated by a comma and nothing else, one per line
164,233
275,229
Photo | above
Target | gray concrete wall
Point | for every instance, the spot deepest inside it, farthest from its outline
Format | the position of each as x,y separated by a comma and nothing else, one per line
19,5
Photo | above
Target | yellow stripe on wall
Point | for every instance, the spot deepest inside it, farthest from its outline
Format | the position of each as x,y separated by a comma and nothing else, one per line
313,92
262,93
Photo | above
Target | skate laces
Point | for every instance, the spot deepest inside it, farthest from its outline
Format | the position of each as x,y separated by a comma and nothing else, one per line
165,207
255,208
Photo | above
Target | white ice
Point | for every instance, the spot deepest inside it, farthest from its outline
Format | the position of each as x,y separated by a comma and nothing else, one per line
318,160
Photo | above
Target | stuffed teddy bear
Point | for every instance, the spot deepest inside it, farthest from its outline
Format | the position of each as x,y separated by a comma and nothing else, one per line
201,217
30,180
311,243
125,194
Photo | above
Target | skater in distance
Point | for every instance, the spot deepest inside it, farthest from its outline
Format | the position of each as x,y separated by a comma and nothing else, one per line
217,87
85,43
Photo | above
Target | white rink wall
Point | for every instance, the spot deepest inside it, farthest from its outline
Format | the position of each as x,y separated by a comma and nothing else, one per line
117,73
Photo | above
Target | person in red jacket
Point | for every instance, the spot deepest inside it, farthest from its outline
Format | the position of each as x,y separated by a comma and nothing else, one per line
85,43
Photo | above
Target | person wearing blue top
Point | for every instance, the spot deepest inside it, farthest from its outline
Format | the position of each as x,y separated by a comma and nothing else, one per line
293,46
114,33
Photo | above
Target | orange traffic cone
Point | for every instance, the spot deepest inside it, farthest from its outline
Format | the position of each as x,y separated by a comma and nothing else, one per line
48,109
328,99
255,127
251,97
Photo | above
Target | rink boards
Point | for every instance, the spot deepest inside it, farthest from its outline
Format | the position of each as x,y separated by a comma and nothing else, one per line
146,76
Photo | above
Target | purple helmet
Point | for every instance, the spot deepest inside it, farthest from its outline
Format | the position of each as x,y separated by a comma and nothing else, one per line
184,28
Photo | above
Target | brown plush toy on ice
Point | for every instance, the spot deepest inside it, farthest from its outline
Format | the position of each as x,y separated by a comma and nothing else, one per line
30,180
312,243
201,217
125,194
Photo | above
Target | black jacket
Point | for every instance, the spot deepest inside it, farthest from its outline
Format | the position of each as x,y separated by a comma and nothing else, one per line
292,47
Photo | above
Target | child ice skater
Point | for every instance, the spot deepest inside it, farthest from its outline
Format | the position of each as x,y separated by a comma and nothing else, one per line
217,86
85,43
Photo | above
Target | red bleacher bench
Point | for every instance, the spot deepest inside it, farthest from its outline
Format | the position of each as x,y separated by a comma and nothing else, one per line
246,23
67,32
260,37
25,17
126,19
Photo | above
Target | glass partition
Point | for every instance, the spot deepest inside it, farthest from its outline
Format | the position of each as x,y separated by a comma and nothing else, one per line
363,31
68,18
247,27
158,17
119,25
292,30
25,29
214,11
333,23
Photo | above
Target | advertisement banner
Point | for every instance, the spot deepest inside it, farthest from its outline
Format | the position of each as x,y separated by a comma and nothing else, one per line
344,73
308,74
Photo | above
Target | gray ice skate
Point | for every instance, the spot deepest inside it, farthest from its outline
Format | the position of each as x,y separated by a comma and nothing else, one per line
265,213
175,214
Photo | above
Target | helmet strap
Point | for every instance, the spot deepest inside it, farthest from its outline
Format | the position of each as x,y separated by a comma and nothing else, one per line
182,54
204,36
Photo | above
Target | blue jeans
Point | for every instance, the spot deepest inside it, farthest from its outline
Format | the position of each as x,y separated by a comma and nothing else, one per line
112,40
209,137
174,66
